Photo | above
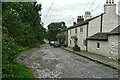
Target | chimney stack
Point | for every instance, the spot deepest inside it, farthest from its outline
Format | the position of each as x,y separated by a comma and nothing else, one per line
109,1
80,19
87,15
110,7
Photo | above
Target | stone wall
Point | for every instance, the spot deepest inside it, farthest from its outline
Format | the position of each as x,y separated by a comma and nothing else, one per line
114,46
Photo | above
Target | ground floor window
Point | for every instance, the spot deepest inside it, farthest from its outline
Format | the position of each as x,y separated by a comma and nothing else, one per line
85,43
98,45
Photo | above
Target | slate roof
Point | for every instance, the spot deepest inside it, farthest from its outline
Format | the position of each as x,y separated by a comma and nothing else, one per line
99,36
83,23
115,31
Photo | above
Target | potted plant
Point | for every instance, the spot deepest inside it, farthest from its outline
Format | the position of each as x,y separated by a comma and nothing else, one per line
76,47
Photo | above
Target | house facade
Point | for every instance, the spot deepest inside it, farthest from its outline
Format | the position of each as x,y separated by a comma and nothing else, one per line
105,44
86,28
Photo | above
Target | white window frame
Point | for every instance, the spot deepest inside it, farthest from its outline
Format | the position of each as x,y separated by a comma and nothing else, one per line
98,45
75,30
80,29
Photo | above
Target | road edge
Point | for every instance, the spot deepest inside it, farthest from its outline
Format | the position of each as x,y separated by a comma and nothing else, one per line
96,61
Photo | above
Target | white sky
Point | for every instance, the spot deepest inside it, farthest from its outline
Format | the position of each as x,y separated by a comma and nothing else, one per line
68,10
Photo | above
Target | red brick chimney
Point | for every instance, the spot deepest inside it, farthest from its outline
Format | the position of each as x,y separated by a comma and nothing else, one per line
80,19
74,23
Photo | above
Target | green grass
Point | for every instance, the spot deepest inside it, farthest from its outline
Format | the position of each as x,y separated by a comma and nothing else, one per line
22,71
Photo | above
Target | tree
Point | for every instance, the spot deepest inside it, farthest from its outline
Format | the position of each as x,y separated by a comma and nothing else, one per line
60,38
21,29
23,22
54,28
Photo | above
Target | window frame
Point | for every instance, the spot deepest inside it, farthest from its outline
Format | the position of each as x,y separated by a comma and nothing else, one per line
98,45
81,29
75,30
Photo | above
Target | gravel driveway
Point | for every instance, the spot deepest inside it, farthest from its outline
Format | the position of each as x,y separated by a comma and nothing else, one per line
50,62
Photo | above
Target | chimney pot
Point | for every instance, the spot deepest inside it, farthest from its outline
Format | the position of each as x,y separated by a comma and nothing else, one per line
112,1
109,1
106,1
74,23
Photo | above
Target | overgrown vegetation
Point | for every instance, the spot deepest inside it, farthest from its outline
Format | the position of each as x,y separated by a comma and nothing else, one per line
21,28
53,30
60,38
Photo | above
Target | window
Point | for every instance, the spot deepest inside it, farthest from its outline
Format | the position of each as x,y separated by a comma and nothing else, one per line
85,43
76,30
98,45
70,41
81,29
70,31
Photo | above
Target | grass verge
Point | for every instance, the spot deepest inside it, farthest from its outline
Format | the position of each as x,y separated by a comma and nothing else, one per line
22,71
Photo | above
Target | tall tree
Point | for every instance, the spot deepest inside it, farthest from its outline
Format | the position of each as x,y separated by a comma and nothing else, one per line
23,22
54,28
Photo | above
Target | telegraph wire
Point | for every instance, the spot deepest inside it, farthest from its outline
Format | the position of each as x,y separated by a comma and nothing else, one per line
98,5
49,9
92,4
86,6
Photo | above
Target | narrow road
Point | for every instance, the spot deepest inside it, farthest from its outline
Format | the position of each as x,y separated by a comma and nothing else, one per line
50,62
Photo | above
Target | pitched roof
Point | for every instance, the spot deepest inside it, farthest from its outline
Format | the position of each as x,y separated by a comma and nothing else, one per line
115,31
99,36
83,23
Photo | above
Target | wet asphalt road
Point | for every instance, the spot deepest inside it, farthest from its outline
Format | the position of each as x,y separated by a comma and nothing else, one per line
50,62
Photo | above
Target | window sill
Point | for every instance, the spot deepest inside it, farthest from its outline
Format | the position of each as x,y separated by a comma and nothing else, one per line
97,48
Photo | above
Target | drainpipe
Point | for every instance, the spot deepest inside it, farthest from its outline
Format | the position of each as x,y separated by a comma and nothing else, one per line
87,37
101,25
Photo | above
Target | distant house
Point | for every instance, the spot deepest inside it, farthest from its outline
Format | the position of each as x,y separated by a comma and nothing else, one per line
95,34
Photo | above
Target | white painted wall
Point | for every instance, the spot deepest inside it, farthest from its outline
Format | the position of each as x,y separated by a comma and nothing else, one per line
81,37
94,26
69,37
103,50
108,48
110,18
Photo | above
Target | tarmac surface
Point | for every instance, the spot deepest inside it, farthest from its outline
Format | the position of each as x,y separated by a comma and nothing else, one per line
50,62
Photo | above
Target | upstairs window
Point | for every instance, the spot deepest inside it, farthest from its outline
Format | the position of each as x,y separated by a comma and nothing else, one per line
70,41
81,29
70,31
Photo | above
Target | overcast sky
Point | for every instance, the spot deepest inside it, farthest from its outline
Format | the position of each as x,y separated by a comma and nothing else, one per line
68,10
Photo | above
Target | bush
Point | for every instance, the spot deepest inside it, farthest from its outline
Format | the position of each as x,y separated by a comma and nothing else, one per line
10,68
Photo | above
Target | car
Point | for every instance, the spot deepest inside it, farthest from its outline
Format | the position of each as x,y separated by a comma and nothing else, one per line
56,44
51,43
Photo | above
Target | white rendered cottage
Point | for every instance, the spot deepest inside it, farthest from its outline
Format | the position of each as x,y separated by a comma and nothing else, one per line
105,44
99,25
